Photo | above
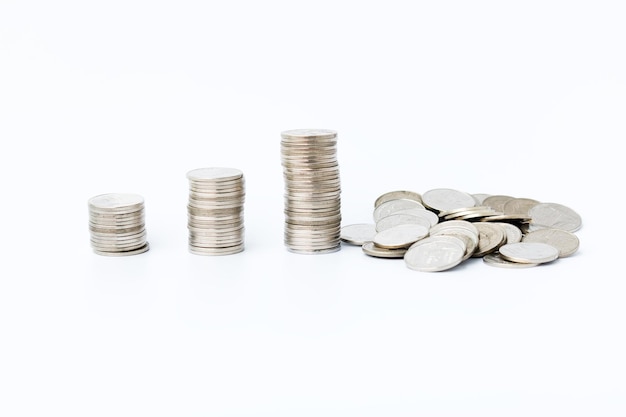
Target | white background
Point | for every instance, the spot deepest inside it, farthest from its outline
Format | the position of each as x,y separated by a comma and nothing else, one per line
525,98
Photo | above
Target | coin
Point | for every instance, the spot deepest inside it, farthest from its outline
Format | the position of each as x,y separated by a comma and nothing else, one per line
435,253
497,201
529,252
512,232
554,216
358,234
491,236
372,250
566,242
391,206
442,199
398,219
401,236
398,195
495,259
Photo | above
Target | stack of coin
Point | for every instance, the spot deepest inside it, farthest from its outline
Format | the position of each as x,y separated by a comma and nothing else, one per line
215,211
312,191
117,224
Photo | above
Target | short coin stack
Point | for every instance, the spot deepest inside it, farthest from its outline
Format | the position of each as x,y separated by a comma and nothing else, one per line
312,191
215,211
117,224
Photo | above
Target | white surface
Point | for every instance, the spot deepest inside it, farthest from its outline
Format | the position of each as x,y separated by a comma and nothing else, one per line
526,99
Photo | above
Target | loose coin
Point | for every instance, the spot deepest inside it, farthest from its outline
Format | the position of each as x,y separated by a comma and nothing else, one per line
401,236
529,252
358,234
555,216
566,242
443,199
495,259
435,253
372,250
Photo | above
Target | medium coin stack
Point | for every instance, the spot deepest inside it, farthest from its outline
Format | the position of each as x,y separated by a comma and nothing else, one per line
117,224
215,211
312,191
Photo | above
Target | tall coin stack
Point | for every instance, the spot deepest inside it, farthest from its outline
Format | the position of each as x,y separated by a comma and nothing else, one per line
312,191
215,211
117,224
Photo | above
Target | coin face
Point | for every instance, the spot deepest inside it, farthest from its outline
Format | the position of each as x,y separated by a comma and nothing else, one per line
401,236
434,254
555,216
358,234
566,242
214,173
392,206
398,219
398,195
442,199
116,201
529,252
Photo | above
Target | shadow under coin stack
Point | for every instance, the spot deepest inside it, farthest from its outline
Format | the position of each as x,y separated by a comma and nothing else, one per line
117,224
312,191
215,211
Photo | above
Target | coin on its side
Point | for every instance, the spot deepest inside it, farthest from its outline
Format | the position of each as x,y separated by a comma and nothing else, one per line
566,242
372,250
490,238
495,259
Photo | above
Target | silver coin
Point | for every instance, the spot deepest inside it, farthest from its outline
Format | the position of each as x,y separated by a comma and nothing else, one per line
297,134
462,224
434,254
566,242
512,232
401,236
358,234
214,174
421,212
115,202
529,252
397,219
491,236
398,195
497,201
519,206
554,216
372,250
442,199
480,198
142,249
495,259
216,251
390,207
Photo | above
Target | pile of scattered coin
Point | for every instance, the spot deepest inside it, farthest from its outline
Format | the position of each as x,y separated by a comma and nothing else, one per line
312,191
117,224
215,211
441,228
